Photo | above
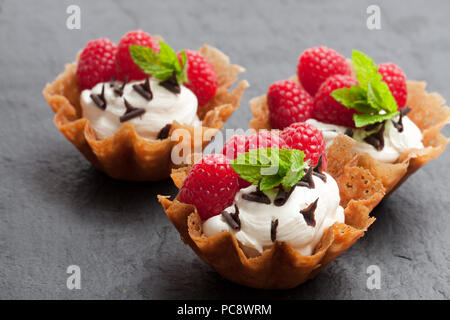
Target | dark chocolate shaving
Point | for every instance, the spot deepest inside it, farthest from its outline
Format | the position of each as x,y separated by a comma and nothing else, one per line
233,218
118,90
282,196
376,139
112,82
131,112
171,84
308,213
144,89
405,110
307,179
256,196
318,169
349,132
319,166
164,132
99,99
371,127
273,230
399,125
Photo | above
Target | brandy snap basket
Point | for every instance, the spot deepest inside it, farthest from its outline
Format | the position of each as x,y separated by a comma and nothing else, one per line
281,266
126,155
428,112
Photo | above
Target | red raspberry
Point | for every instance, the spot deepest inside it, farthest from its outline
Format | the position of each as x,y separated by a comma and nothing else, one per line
201,75
316,64
288,103
125,66
328,110
235,146
265,139
232,149
96,63
396,80
210,186
307,138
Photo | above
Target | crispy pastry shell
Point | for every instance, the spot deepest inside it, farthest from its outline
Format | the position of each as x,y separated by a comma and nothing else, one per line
126,155
281,266
428,112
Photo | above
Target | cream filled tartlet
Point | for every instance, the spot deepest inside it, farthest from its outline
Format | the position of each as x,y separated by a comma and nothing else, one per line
119,105
391,124
156,107
265,213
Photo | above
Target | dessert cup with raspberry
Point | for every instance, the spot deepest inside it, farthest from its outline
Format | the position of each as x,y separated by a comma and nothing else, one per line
385,126
284,225
119,106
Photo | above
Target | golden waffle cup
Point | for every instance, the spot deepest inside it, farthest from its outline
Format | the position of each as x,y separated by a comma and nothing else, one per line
281,266
428,112
126,155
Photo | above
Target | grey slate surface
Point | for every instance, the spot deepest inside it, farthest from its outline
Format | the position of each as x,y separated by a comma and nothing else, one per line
56,210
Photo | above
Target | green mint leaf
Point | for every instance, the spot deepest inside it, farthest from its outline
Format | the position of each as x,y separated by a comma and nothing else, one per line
372,99
144,57
295,171
161,65
270,167
365,67
389,104
347,96
167,55
270,182
362,120
353,98
183,75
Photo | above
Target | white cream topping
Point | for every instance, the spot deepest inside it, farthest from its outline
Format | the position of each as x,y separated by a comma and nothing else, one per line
256,218
163,109
395,142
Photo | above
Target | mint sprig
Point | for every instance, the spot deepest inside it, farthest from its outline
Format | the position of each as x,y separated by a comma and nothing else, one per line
372,98
270,167
161,65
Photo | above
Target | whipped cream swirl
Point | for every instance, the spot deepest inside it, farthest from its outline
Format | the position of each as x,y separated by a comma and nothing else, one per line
395,142
162,109
256,219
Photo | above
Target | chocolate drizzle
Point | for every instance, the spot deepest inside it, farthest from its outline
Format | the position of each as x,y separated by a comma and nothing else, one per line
308,213
376,139
349,132
319,166
232,218
131,112
307,179
399,125
112,82
273,230
318,170
99,99
118,89
171,84
282,196
164,132
144,89
256,196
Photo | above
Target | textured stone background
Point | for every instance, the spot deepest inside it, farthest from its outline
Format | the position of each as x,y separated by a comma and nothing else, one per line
56,210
